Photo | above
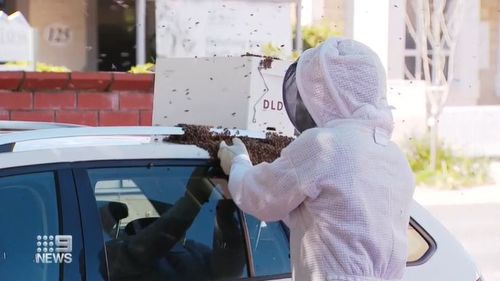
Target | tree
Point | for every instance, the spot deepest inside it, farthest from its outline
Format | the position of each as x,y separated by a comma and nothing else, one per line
434,26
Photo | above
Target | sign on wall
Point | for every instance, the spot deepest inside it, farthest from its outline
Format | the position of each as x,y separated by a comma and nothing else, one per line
188,28
64,36
16,38
58,34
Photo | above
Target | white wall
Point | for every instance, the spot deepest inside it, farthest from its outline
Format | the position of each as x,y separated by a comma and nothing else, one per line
371,25
471,130
62,30
395,60
221,27
380,24
306,12
313,11
408,100
465,86
468,130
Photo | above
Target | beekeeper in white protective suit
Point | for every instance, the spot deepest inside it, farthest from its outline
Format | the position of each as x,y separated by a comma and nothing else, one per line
343,187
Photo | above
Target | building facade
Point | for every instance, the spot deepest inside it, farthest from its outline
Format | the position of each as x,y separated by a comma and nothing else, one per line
86,35
382,25
89,35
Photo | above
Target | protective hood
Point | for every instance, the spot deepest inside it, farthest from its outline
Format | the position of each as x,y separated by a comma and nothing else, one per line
295,108
343,79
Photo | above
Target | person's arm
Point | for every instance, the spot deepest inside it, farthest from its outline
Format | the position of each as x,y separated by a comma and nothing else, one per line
154,241
268,191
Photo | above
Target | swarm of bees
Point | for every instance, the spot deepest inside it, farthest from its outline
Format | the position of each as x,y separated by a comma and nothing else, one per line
260,150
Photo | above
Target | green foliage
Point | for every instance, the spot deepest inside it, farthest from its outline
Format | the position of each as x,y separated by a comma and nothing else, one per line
314,35
452,171
40,66
269,50
143,68
43,67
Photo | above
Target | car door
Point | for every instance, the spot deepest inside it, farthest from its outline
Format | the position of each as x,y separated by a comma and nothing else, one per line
269,249
159,220
40,229
210,239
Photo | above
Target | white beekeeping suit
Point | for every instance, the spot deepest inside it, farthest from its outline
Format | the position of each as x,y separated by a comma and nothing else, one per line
343,186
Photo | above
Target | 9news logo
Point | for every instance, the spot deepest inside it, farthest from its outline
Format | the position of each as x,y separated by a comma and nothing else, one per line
54,249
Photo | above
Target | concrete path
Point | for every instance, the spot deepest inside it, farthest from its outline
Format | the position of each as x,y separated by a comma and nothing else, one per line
475,195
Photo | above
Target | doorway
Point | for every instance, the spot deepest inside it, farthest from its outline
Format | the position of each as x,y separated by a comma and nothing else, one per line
116,35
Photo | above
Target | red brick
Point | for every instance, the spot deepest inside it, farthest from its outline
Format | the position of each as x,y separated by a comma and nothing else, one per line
146,118
15,100
98,81
129,82
11,80
45,115
60,100
136,101
88,118
4,115
45,81
101,101
118,118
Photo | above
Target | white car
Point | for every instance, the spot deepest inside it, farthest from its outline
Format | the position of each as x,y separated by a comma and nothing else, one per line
118,203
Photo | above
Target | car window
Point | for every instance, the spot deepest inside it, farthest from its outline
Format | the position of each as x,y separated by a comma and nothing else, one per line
270,247
28,227
167,223
109,192
417,245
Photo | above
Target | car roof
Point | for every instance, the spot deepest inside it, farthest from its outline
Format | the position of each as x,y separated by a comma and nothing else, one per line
96,153
76,144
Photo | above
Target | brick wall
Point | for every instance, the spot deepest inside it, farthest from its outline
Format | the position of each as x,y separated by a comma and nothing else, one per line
95,99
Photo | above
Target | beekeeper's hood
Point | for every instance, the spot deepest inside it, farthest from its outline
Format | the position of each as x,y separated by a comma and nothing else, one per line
340,79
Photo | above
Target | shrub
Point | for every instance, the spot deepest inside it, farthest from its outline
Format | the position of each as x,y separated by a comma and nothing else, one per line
314,35
143,68
43,67
452,170
40,66
269,50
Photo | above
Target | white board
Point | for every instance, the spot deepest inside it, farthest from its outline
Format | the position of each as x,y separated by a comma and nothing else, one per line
226,92
16,38
204,28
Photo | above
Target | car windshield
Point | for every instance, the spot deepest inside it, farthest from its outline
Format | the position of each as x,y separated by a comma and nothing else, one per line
222,63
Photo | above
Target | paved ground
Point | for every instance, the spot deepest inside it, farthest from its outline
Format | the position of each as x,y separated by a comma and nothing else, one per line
473,216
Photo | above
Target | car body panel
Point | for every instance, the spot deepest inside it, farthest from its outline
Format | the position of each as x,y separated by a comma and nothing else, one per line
109,152
449,261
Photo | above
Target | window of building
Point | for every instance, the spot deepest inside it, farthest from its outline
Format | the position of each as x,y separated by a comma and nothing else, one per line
415,36
116,35
7,6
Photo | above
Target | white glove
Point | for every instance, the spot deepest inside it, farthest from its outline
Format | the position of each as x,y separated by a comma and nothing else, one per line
227,153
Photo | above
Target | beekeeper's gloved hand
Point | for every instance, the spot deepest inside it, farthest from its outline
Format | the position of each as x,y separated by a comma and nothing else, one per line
227,153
